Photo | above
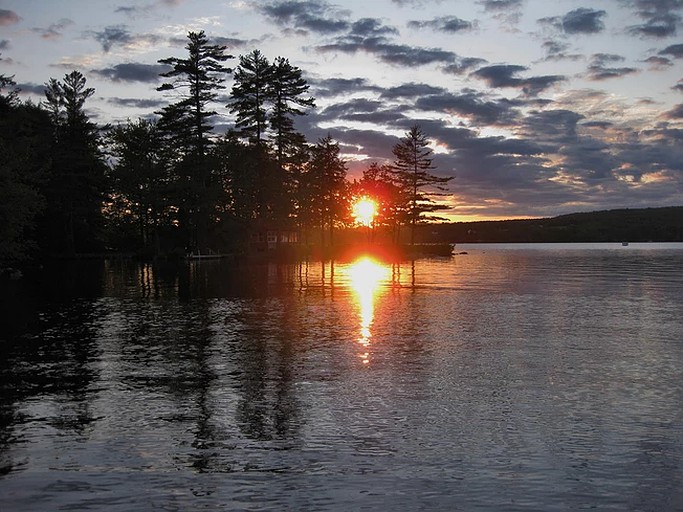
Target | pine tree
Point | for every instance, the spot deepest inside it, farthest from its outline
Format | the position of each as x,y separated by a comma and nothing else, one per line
286,91
325,187
140,180
413,161
250,94
76,189
198,78
25,156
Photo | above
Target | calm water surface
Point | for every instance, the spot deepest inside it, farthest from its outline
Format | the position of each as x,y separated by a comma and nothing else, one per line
509,378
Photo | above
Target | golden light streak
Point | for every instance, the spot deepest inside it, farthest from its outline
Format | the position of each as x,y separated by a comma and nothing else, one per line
366,277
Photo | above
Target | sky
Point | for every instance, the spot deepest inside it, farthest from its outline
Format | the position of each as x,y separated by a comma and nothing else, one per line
537,108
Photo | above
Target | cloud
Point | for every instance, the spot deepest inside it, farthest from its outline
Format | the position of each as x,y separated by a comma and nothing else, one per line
363,110
675,113
135,10
658,62
132,72
557,50
449,24
4,44
119,35
410,90
331,87
312,15
230,42
583,21
470,105
32,88
661,18
396,54
463,65
501,5
599,69
679,86
504,75
508,12
113,36
137,102
370,35
675,50
578,21
8,17
55,30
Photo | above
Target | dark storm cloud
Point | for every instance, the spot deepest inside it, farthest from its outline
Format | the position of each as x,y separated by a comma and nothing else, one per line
600,69
314,16
4,44
679,86
54,31
8,17
661,17
504,75
137,102
449,24
578,21
675,50
132,72
119,35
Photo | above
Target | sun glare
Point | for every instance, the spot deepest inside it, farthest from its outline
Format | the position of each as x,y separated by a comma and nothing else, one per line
364,211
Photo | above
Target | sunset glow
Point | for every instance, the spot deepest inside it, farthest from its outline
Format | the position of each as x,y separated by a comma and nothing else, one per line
364,211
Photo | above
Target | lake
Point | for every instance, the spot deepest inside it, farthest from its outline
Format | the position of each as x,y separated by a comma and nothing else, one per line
513,377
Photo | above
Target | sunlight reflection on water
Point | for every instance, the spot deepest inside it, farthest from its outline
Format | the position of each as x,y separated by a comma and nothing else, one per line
366,277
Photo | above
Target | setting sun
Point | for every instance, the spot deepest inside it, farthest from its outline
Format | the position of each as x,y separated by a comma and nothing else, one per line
364,211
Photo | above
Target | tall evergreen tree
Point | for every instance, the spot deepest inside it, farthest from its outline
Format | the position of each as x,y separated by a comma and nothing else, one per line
76,188
378,183
250,94
25,156
411,169
325,187
140,179
198,78
287,89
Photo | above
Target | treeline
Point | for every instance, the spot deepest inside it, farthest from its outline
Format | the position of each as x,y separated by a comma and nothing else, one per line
623,225
169,185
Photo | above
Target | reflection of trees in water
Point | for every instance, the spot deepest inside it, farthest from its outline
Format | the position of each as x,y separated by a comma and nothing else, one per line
51,354
267,408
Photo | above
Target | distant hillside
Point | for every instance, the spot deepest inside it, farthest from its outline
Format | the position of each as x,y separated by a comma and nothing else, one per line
632,225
